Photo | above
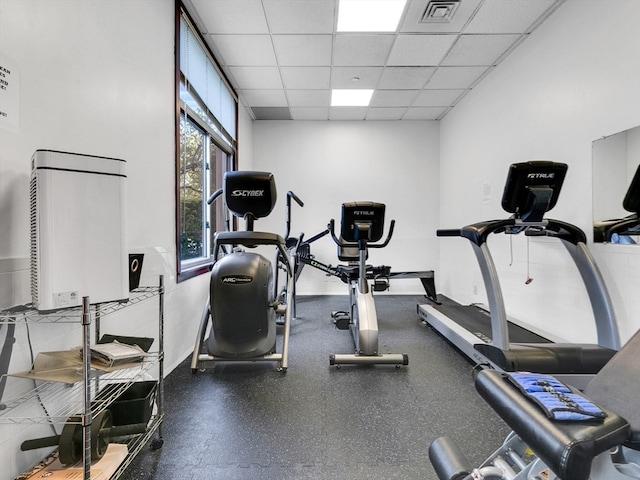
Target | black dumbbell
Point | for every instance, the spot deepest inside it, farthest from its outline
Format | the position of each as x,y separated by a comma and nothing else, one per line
69,442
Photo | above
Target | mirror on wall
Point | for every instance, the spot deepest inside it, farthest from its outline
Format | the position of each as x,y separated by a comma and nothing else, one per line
616,164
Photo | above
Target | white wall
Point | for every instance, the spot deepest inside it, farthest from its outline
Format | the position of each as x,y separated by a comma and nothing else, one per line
94,78
328,163
245,139
615,161
575,80
97,78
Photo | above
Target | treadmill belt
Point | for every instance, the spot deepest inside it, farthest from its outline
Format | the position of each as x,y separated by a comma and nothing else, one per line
478,321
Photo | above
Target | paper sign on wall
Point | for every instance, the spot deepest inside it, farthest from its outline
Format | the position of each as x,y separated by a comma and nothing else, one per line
9,94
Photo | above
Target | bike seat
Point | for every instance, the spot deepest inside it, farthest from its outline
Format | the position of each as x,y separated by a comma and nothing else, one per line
348,251
349,271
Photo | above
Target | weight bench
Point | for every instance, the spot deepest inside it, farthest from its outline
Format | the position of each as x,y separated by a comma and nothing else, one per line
571,450
568,448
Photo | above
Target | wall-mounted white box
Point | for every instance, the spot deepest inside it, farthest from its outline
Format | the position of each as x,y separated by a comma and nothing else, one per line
78,230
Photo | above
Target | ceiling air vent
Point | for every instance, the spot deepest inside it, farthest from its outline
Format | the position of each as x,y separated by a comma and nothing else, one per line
440,11
271,113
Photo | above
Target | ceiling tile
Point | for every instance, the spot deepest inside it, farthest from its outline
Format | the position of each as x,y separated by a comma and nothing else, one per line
306,77
437,98
253,50
248,78
264,98
507,16
420,50
286,54
309,113
294,16
455,77
309,98
415,10
423,113
347,113
303,50
343,77
405,77
365,50
393,98
479,49
231,16
385,113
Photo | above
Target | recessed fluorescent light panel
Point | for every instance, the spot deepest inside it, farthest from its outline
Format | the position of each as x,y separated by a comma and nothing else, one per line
369,15
351,97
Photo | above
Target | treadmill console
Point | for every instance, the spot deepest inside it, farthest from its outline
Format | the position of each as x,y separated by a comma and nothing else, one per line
532,188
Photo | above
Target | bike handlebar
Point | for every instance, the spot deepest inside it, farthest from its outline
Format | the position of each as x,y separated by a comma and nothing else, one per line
387,240
331,228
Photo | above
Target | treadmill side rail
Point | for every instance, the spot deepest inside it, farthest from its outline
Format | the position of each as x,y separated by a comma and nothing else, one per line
603,314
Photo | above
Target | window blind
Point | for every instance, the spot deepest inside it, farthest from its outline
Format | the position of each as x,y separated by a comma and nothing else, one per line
203,76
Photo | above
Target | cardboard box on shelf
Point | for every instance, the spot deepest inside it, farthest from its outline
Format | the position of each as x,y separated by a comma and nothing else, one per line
100,469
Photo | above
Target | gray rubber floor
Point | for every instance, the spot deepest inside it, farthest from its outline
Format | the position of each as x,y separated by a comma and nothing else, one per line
248,421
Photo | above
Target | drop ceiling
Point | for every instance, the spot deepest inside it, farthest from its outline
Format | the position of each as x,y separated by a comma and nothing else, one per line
283,57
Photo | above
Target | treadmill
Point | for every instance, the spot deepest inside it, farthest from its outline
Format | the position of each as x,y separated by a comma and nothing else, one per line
488,338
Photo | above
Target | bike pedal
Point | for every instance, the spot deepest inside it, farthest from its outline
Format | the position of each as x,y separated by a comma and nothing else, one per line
380,286
342,322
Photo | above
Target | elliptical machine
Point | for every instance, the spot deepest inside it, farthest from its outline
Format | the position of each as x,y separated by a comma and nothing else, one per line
243,304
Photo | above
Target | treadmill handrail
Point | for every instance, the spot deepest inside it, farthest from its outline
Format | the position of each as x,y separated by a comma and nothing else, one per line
628,226
479,232
574,240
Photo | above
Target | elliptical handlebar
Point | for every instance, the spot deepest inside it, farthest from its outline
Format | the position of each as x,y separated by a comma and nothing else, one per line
213,196
291,195
212,199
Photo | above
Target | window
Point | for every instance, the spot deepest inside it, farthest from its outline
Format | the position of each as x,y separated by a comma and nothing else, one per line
206,130
194,218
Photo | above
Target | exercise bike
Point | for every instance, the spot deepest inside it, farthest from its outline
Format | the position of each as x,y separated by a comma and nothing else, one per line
362,225
244,306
